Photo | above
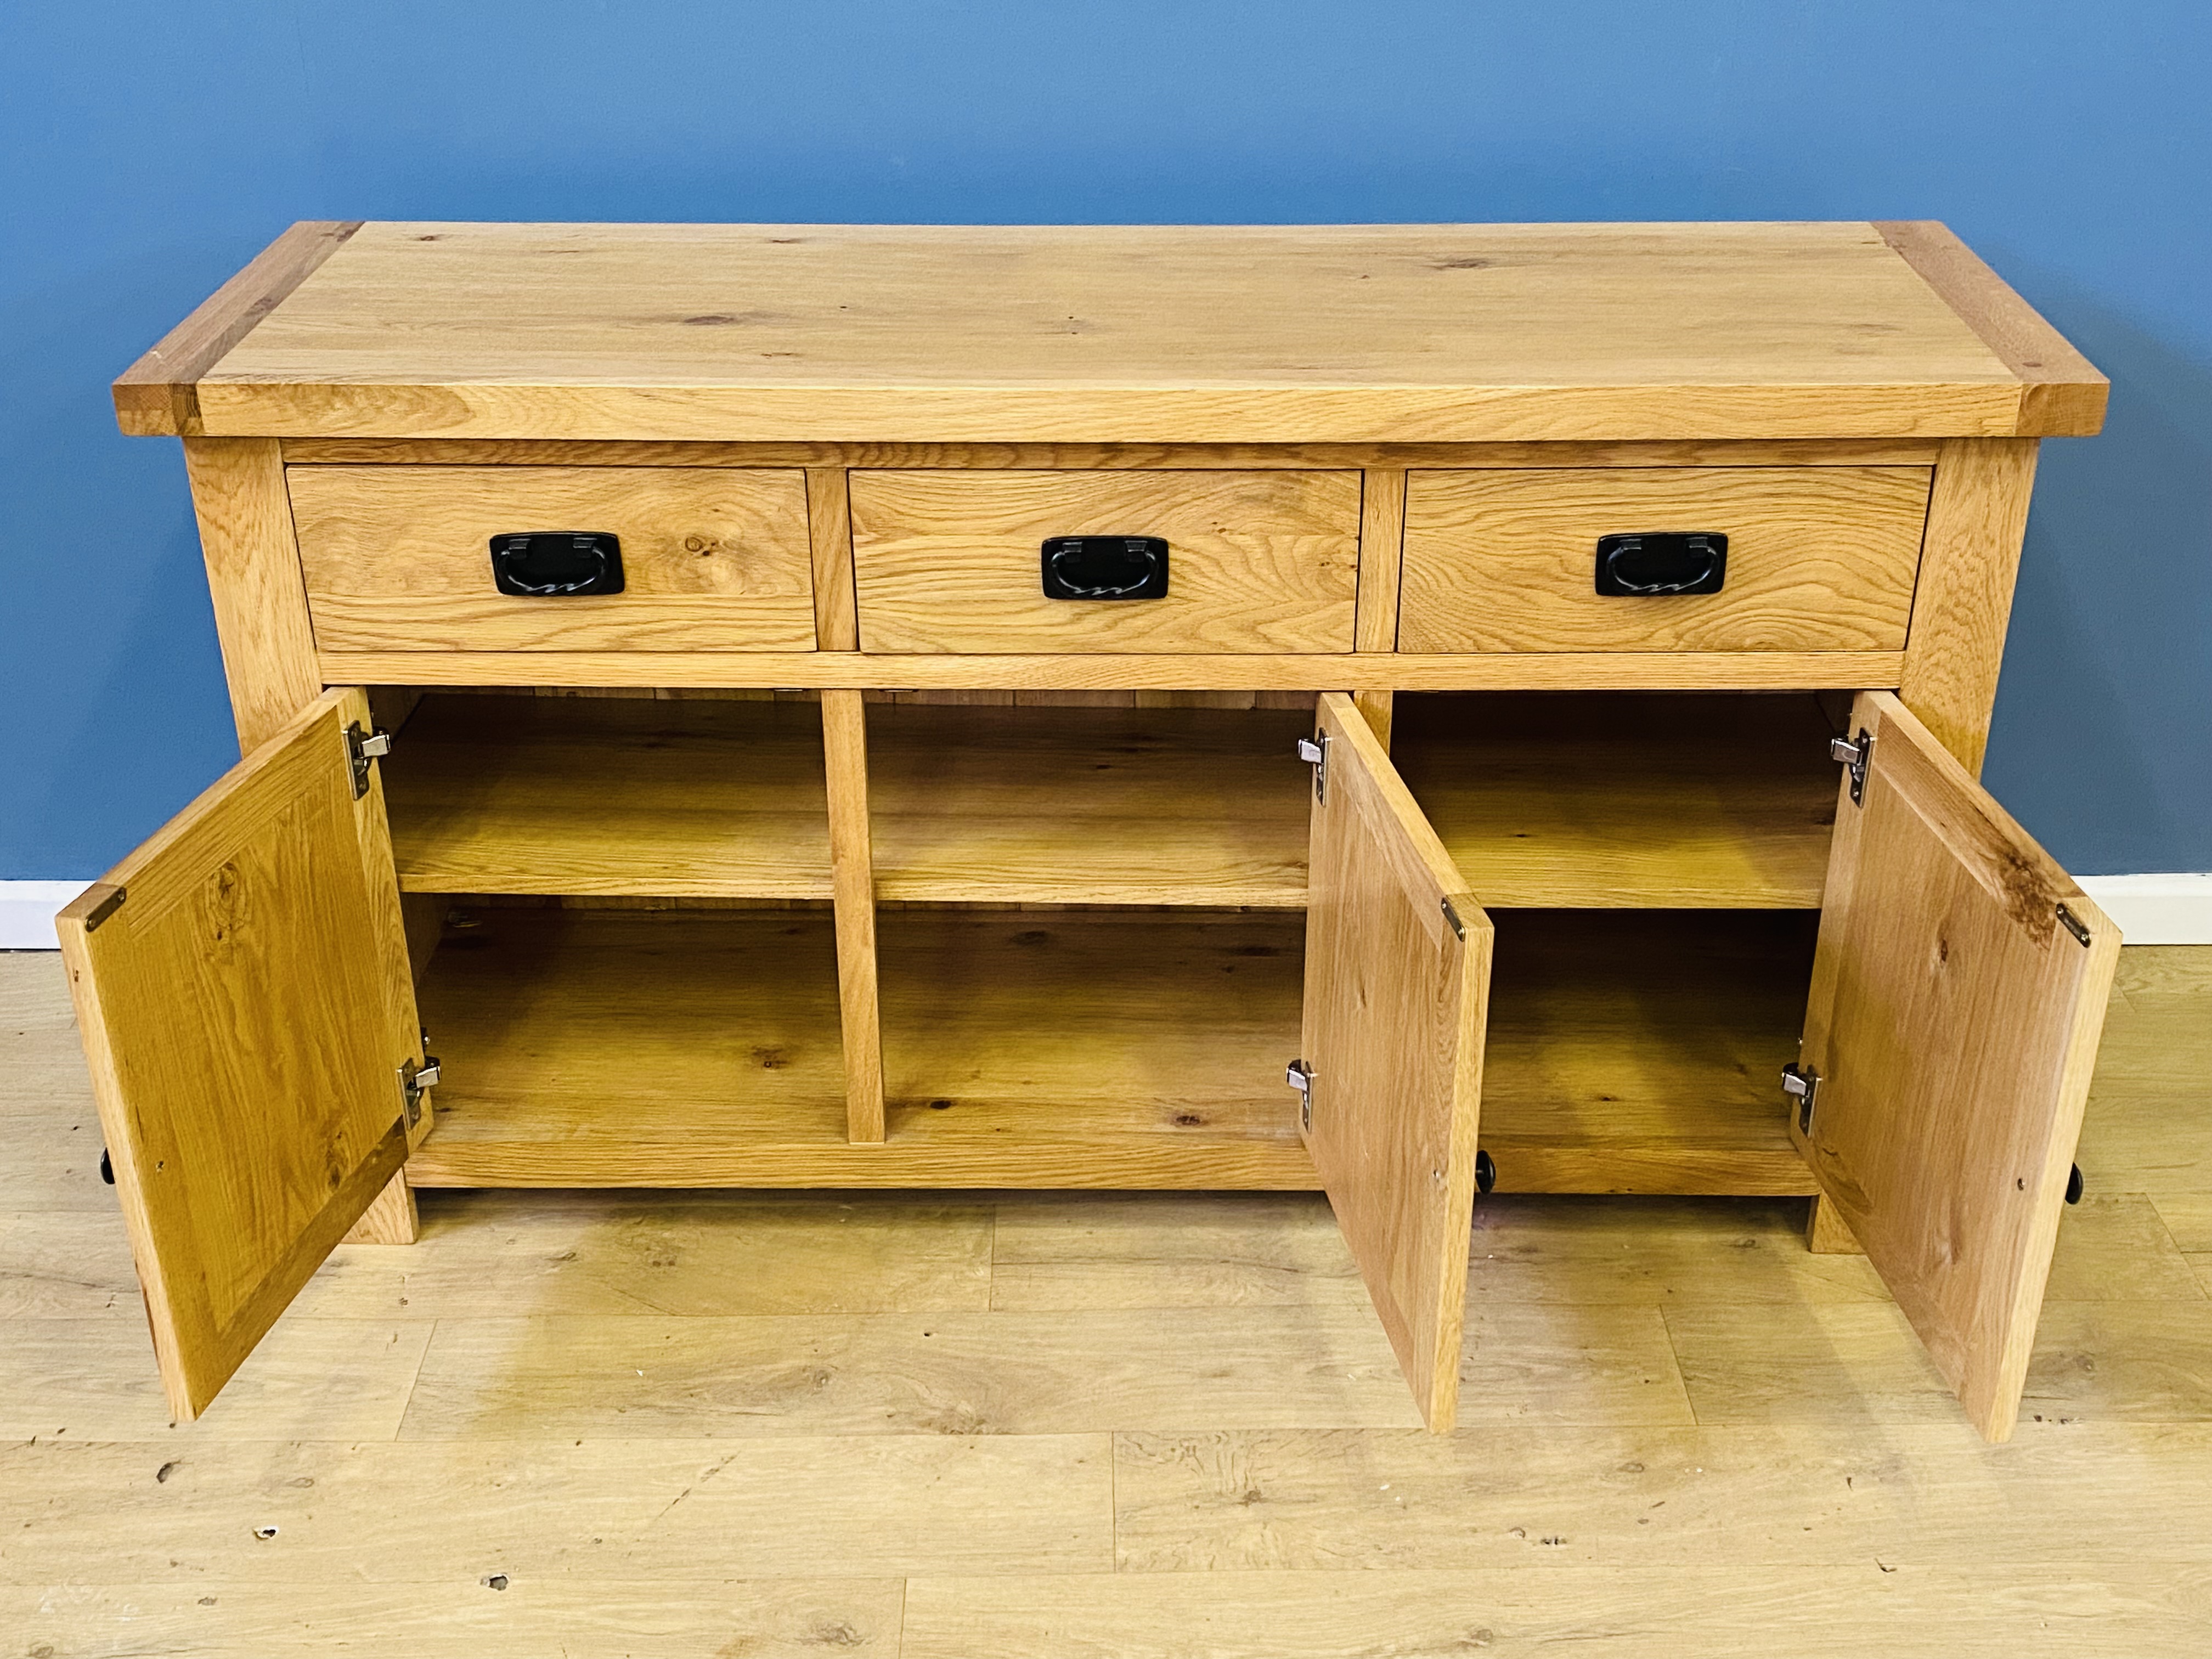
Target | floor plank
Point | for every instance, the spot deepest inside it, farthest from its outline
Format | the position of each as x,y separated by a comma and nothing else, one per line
1021,1373
869,1506
1753,1496
1704,1611
684,1254
94,1379
521,1612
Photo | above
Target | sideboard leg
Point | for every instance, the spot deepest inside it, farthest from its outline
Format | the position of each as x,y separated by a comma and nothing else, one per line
1825,1233
392,1219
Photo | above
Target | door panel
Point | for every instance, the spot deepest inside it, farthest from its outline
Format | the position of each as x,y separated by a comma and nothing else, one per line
245,1003
1954,1024
1395,1000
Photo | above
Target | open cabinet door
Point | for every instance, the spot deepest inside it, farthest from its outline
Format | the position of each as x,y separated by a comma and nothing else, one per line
1397,975
1958,991
241,984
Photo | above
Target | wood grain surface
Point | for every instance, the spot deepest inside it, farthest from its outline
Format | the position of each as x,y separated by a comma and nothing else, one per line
399,559
948,560
1953,1022
1819,558
1118,333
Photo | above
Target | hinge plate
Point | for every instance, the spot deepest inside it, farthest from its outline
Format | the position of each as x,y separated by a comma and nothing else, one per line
1300,1076
362,747
1856,753
1802,1085
1314,751
1452,920
414,1081
2073,925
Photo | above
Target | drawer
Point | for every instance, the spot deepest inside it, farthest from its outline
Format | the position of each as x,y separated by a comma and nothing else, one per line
1819,558
950,560
399,558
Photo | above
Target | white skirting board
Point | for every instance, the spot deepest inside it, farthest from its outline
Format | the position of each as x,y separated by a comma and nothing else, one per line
2168,909
2171,910
27,912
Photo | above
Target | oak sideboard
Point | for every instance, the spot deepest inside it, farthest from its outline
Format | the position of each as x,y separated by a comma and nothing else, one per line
1405,711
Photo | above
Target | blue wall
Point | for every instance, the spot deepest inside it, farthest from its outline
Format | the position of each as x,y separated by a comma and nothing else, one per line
150,149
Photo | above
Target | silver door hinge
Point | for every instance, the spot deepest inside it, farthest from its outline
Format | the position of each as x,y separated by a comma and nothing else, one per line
414,1080
1300,1076
1856,753
362,747
1314,751
1802,1085
2072,924
1451,916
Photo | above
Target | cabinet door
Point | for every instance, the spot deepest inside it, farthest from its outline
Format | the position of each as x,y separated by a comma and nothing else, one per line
1397,975
241,985
1958,991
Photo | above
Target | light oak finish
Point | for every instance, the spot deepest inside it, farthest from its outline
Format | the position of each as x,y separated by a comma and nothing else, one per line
158,395
1509,671
830,541
1095,1048
1953,1021
560,451
1218,334
1382,542
2065,393
610,796
390,1217
1182,806
1826,1233
948,560
1606,800
852,861
253,577
1977,519
1639,1051
244,1042
399,558
1819,559
1398,961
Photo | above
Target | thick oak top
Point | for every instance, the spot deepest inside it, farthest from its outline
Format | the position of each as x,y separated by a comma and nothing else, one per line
1250,334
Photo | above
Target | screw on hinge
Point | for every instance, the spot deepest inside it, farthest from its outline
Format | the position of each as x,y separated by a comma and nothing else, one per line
1458,928
2072,924
1856,753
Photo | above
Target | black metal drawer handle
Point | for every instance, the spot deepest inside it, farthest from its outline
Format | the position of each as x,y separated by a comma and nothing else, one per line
1654,563
555,563
1105,568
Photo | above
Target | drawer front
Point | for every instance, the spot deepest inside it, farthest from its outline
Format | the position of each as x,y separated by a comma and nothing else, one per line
1818,558
951,561
398,557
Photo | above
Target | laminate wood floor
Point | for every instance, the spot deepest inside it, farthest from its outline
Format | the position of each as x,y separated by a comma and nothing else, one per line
981,1426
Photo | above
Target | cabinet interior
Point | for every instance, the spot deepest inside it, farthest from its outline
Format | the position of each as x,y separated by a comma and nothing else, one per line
1089,943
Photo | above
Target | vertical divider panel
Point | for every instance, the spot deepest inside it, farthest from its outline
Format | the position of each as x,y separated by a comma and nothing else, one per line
852,867
1382,549
829,534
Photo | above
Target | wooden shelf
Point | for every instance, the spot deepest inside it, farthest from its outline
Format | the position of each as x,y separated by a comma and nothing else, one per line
701,1049
624,796
1175,806
1642,1051
1631,800
1627,1052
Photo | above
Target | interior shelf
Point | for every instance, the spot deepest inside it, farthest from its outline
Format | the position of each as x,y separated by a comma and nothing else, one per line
1163,806
1626,799
1627,1051
610,796
1642,1051
700,1048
